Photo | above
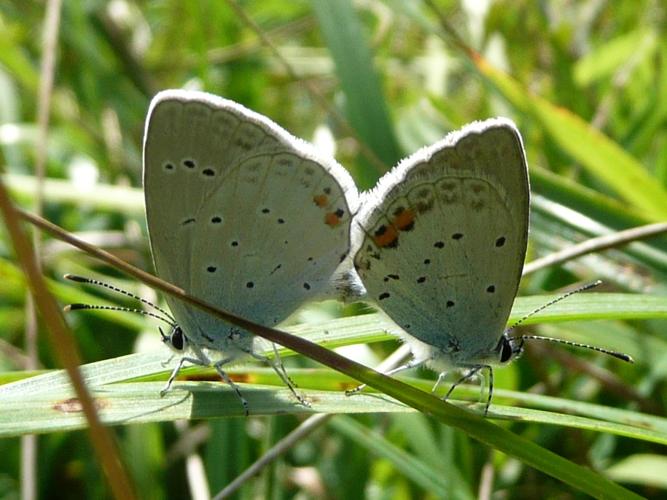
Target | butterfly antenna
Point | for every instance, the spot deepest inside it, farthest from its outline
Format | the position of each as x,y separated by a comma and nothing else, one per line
91,281
582,288
95,307
523,338
619,355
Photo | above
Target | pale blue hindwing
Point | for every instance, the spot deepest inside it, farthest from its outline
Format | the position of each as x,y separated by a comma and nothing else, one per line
240,213
440,243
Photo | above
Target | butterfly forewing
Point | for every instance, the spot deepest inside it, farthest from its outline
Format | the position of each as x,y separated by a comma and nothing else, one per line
240,213
441,240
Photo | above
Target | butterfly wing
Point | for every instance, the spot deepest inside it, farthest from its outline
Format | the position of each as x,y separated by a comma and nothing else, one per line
240,213
440,242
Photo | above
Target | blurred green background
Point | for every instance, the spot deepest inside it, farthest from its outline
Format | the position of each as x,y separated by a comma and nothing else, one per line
586,83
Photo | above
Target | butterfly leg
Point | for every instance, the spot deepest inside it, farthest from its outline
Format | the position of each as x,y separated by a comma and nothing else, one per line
440,380
277,365
204,361
168,361
413,363
223,375
488,401
177,369
471,373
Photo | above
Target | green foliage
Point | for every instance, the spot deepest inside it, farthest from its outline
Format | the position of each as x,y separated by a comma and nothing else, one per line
585,82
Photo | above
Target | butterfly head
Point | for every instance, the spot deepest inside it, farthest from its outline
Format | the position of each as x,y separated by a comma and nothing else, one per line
175,339
509,348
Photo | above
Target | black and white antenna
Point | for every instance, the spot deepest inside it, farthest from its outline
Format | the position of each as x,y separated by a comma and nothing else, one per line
518,342
174,338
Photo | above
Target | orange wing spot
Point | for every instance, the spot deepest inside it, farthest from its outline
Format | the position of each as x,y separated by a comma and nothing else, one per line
404,220
388,237
331,219
321,200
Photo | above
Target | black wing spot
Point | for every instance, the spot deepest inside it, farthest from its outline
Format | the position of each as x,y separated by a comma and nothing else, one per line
384,295
188,221
457,236
421,279
250,284
439,244
306,286
491,288
500,241
235,243
427,261
208,172
310,259
265,210
189,163
169,166
211,269
281,221
276,268
450,303
216,219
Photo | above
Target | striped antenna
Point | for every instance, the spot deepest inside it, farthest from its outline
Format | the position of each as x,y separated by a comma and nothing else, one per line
582,288
165,317
95,307
521,339
619,355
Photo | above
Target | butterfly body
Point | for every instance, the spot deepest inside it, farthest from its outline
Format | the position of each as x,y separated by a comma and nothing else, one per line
440,244
241,214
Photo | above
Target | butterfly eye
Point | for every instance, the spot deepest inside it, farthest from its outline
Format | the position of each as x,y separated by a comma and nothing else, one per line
506,349
177,339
